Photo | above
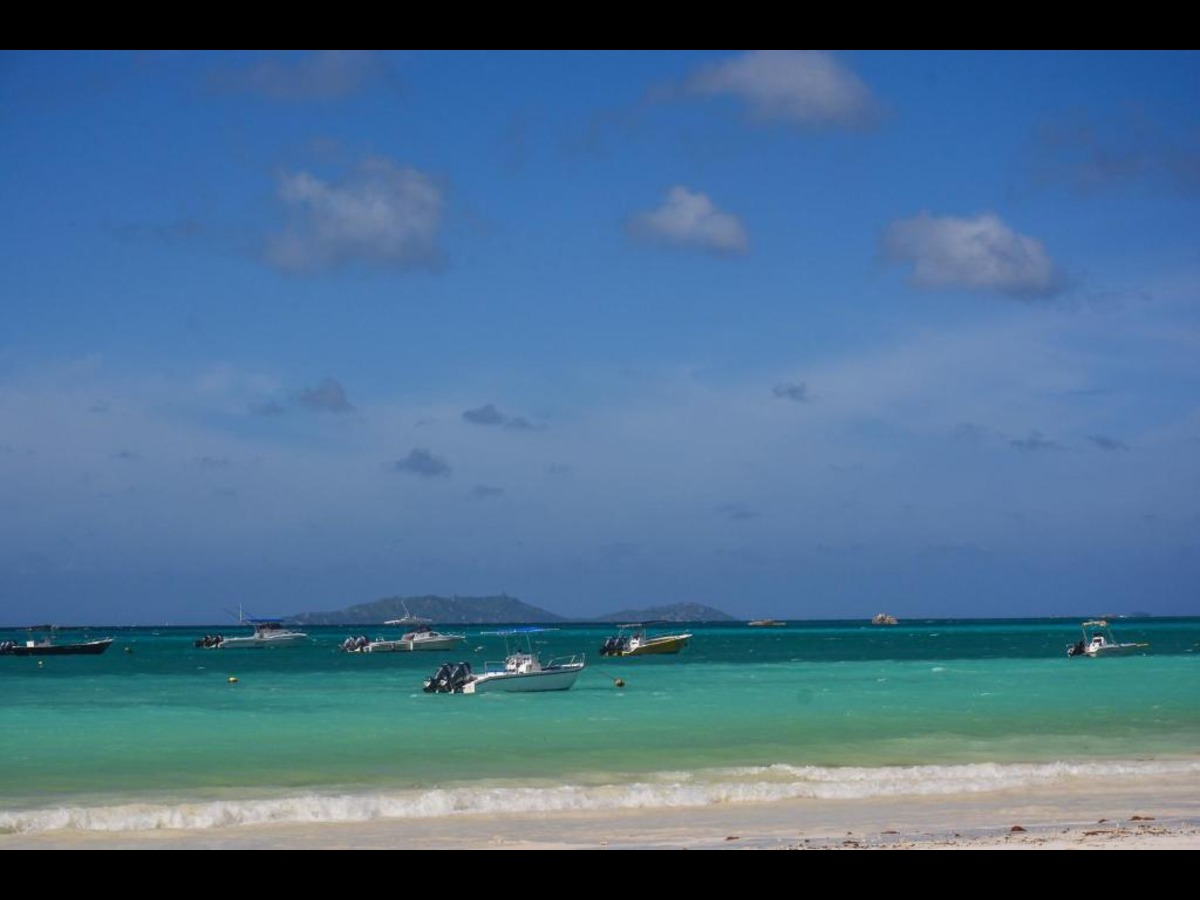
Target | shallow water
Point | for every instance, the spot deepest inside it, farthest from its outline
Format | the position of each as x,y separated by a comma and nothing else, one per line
158,733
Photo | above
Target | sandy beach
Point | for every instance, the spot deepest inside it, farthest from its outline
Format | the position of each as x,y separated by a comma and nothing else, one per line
1148,817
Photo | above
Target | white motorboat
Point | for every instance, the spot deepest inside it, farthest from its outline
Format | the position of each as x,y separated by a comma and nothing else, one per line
521,671
266,633
408,619
420,638
1098,640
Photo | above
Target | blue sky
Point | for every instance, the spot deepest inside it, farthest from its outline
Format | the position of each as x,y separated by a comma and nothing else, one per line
802,334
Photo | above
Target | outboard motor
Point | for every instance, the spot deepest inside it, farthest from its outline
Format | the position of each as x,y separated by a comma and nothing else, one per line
435,683
448,679
460,675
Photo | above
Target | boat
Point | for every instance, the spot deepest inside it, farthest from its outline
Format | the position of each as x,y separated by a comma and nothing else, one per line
766,623
521,671
265,633
884,619
45,646
1098,640
634,640
408,618
421,638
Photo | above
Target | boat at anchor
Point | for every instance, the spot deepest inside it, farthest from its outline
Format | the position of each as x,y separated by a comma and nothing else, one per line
264,633
1098,640
420,638
47,646
521,671
634,640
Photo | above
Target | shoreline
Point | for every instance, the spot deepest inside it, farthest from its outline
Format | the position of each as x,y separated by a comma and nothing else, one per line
1155,816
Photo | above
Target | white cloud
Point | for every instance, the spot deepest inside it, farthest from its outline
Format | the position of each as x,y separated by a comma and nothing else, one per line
808,87
382,214
980,253
690,219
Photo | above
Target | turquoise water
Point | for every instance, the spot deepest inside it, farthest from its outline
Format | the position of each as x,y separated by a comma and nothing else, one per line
154,733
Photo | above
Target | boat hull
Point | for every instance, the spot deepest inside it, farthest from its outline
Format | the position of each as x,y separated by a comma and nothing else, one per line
1115,650
87,648
651,647
549,679
254,643
412,646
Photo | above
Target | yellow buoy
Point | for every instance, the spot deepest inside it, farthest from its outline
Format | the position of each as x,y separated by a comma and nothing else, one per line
232,679
620,682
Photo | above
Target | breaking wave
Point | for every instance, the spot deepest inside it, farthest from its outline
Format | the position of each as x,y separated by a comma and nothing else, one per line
710,787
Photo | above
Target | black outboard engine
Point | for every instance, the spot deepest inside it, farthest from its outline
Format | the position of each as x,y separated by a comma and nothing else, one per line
434,683
611,646
448,679
460,676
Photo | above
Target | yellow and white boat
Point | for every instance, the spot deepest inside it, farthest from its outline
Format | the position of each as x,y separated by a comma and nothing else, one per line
633,640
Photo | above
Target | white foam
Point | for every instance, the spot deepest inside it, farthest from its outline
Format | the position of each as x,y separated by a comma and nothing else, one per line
665,790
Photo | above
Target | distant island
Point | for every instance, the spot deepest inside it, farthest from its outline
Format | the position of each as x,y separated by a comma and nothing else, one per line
494,610
674,612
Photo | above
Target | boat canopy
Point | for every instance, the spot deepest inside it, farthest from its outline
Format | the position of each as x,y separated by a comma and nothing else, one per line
241,616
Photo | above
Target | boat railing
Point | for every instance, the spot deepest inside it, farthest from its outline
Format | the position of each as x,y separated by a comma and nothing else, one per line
517,662
573,659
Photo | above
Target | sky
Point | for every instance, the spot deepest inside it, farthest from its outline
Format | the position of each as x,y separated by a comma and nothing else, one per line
801,334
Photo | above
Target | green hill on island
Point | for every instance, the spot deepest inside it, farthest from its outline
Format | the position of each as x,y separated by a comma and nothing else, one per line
442,610
673,612
495,610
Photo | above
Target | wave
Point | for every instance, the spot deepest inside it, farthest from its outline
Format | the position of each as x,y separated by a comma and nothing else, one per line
760,784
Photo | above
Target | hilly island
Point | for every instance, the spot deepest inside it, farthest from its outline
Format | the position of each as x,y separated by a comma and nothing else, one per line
494,610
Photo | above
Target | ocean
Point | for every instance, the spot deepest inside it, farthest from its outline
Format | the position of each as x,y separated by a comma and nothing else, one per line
160,734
